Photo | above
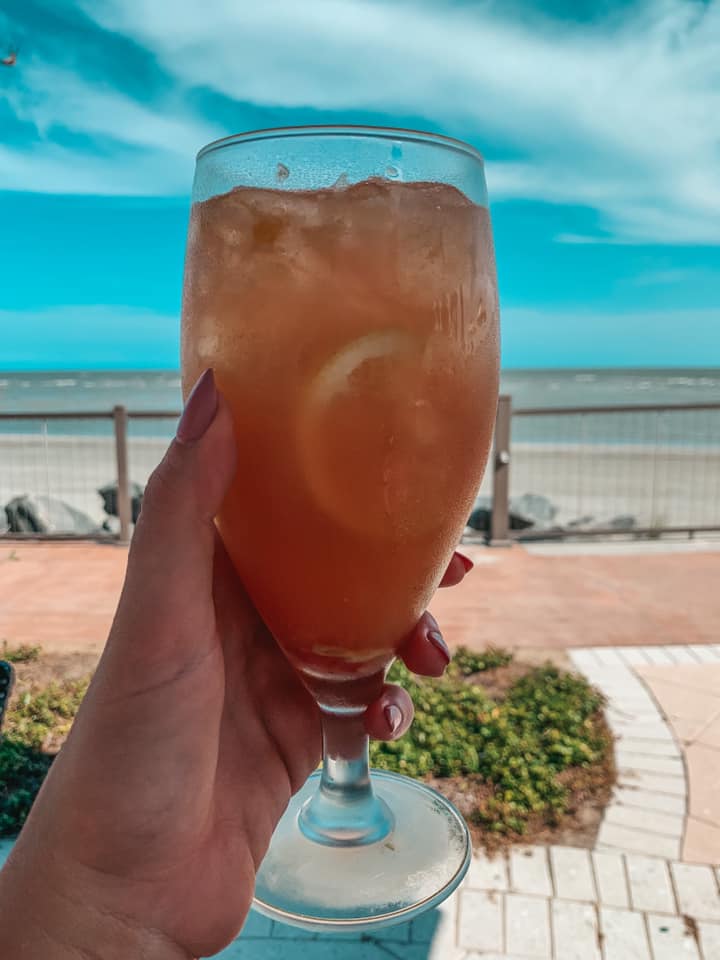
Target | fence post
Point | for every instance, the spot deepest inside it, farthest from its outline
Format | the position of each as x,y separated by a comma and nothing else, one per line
500,515
124,507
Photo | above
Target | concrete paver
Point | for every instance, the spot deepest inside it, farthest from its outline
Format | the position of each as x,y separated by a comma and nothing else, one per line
650,887
709,940
670,766
671,939
704,772
527,926
709,736
572,874
488,873
645,800
481,921
702,842
624,935
649,748
529,871
611,879
614,837
672,786
697,891
575,931
650,821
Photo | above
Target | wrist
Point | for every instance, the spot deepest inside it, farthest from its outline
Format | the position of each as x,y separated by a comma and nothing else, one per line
47,915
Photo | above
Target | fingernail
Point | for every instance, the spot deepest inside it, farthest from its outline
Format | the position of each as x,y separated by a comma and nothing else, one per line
200,409
466,562
394,717
438,641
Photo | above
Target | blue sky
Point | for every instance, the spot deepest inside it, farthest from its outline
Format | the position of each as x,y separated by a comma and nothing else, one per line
598,121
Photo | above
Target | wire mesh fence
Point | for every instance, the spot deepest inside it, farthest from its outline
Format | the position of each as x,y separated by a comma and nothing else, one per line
148,438
52,470
579,471
618,469
59,473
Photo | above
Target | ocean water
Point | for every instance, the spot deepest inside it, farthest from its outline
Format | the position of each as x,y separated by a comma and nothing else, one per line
78,391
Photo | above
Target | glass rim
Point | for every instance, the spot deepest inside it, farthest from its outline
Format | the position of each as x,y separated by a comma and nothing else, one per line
329,130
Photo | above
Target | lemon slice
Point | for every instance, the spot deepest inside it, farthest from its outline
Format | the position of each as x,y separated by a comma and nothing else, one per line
367,435
382,345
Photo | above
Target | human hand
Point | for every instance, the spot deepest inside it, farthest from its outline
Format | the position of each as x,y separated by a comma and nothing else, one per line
194,734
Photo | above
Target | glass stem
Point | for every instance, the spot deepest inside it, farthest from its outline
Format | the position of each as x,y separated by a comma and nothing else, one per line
344,811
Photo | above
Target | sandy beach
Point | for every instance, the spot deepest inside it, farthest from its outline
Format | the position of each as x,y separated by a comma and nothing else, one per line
597,483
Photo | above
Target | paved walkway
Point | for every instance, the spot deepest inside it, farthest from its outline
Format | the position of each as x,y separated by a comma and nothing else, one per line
62,596
650,890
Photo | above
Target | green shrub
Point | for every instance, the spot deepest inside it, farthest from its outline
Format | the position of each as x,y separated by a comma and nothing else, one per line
547,723
467,662
22,654
33,718
36,714
22,771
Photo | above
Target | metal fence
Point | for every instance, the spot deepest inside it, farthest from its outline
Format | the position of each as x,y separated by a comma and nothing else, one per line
55,468
598,471
643,470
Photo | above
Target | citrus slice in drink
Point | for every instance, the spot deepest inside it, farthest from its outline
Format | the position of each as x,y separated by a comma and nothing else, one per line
369,437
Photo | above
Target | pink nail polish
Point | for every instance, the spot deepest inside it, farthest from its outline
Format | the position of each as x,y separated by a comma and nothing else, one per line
438,641
200,409
466,562
394,717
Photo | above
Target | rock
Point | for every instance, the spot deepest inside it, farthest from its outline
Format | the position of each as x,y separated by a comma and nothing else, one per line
41,514
580,522
624,521
535,509
480,517
109,494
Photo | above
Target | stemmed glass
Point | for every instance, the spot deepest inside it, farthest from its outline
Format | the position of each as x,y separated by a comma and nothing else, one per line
341,283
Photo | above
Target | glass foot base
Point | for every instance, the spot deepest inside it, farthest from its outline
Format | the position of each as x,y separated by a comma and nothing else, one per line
345,888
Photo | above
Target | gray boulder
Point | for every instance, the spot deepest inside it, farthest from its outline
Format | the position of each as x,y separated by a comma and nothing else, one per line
109,493
42,514
482,512
537,510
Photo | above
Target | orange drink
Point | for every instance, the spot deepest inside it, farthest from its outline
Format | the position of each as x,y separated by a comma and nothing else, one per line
354,334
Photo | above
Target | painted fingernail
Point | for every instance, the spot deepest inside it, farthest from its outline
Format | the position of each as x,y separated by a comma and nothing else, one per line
394,717
466,562
438,641
200,409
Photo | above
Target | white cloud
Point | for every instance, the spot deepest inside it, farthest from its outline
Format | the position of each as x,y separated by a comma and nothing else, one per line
68,101
147,149
619,115
54,169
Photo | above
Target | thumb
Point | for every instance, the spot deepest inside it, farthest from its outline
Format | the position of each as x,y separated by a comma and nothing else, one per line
166,603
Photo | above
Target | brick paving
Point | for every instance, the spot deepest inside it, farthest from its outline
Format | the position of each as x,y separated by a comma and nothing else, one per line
62,596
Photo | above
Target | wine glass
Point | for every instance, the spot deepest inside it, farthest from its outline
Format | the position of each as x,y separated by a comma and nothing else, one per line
341,283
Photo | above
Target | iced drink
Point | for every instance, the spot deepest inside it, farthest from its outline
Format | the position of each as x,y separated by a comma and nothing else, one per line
354,333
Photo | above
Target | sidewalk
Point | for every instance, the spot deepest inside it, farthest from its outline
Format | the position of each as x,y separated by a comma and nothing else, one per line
641,894
62,596
650,890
